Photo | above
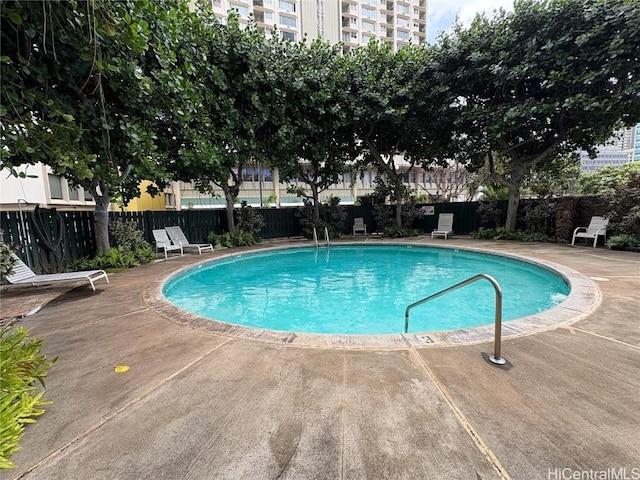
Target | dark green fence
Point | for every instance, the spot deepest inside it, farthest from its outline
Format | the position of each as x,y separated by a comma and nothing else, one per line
50,239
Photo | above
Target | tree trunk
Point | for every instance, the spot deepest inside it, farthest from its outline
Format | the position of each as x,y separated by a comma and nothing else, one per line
512,209
397,190
101,217
513,183
316,202
228,196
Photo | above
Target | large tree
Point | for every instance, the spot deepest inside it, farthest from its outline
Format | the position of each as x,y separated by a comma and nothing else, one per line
401,112
549,78
243,106
82,90
321,143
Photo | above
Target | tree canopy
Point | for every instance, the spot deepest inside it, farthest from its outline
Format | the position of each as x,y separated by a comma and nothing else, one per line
318,115
400,112
113,92
549,78
84,94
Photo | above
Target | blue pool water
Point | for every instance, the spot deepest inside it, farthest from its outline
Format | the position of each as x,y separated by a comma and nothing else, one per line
362,289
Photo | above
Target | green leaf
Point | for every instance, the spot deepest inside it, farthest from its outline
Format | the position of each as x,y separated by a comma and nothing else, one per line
15,17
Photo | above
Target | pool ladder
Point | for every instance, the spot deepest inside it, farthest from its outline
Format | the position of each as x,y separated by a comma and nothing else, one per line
326,236
495,358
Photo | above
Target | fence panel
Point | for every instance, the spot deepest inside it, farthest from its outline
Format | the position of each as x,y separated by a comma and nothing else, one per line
280,223
49,239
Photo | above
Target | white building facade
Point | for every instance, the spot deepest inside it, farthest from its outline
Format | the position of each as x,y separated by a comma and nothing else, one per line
351,22
622,148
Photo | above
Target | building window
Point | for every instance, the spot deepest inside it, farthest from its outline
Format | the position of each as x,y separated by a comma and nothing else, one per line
287,6
169,200
403,9
409,177
366,39
403,35
289,36
287,21
247,175
55,187
368,13
74,194
368,26
268,17
87,196
242,11
267,175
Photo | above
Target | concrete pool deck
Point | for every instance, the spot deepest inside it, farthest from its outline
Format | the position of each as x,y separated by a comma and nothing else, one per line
199,404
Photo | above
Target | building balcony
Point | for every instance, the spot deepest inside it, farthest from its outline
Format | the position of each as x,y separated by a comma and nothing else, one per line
347,23
349,8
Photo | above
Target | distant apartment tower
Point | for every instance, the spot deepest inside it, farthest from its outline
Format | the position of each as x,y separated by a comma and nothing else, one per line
618,151
352,22
399,22
636,144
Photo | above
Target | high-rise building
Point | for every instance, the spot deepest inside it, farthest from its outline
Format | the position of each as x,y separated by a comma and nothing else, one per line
636,144
352,22
618,151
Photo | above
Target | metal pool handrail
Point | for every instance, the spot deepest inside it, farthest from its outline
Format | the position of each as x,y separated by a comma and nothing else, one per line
326,236
495,358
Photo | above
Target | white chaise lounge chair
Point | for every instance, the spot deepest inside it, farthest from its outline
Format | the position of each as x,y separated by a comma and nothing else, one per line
163,242
445,225
359,225
23,275
178,238
597,227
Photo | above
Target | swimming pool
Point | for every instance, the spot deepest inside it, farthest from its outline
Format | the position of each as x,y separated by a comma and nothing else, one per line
360,289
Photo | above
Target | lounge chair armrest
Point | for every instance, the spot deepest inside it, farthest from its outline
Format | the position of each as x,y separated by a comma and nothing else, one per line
578,229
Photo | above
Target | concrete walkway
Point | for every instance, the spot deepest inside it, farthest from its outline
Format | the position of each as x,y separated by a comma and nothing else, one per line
197,404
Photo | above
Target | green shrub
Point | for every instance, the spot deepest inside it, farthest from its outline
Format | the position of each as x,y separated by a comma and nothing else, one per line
410,213
250,220
235,238
489,214
332,216
500,233
7,262
115,258
624,242
383,216
21,365
394,231
540,217
130,249
126,234
624,205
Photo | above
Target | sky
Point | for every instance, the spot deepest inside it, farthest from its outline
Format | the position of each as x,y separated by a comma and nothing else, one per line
442,13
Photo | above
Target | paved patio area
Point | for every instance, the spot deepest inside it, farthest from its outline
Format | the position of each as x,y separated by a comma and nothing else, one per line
203,404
